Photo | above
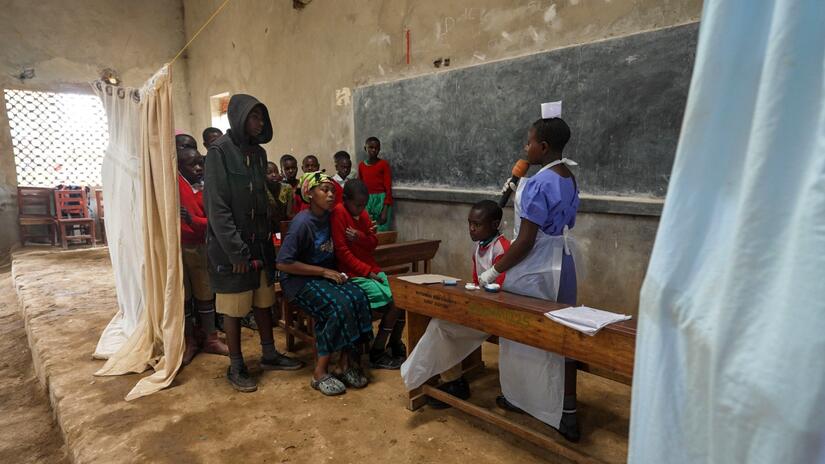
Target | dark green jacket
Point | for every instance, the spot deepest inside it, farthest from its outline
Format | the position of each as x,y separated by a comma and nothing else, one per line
236,203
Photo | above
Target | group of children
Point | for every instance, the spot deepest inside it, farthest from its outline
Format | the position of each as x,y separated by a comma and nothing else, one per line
232,208
326,266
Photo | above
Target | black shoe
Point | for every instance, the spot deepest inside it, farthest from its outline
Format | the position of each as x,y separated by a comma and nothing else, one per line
384,360
569,427
281,363
459,388
219,322
398,350
241,380
502,402
248,321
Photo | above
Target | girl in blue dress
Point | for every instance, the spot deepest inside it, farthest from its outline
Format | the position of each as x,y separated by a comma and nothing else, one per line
540,264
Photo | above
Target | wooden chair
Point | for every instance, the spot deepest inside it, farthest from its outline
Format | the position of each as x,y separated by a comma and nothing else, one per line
72,211
34,208
100,211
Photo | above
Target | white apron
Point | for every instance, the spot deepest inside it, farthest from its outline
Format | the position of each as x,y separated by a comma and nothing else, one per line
533,379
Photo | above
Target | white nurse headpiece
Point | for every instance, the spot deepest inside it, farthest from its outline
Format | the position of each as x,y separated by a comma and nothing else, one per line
551,110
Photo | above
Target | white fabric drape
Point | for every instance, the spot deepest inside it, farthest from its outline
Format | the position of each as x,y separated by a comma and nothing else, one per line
730,356
123,216
157,342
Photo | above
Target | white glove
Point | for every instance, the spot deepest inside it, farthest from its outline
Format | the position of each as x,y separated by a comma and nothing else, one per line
489,276
508,185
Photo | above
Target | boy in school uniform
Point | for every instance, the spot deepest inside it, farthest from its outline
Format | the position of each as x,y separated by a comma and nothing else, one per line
534,381
354,240
445,344
377,175
193,254
279,194
210,134
343,167
239,239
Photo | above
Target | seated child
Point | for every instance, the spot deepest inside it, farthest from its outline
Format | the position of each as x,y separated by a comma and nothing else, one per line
309,164
354,238
376,173
532,380
340,308
193,253
445,344
279,195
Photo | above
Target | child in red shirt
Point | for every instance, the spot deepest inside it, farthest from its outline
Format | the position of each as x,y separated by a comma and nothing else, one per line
354,240
377,176
193,254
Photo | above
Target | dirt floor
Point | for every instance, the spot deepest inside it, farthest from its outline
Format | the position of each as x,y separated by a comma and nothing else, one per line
68,298
29,433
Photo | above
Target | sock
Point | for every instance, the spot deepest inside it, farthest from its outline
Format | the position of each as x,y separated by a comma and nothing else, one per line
206,316
236,362
569,406
268,350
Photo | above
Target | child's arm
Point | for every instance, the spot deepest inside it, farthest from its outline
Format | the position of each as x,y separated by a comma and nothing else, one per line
198,224
346,259
296,240
369,237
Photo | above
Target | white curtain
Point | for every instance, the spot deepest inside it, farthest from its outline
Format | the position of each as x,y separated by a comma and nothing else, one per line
157,342
730,357
123,215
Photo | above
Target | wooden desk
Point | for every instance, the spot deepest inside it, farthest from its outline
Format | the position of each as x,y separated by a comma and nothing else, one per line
517,318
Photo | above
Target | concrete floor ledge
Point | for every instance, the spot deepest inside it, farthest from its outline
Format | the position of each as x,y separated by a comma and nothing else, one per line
67,298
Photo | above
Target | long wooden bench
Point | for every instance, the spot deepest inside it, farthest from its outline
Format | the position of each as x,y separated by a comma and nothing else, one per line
609,353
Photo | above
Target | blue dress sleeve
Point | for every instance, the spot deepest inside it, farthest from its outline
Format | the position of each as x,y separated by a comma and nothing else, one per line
537,200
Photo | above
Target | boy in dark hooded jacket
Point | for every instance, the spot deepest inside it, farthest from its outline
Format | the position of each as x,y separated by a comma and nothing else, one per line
239,242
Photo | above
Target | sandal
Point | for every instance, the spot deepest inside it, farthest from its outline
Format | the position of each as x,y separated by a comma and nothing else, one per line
328,385
354,378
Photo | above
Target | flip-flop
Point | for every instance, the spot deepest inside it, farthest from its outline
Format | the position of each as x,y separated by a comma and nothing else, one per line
329,385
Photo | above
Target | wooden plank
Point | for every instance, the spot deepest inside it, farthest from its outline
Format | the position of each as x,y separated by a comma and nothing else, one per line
522,319
415,327
512,427
406,252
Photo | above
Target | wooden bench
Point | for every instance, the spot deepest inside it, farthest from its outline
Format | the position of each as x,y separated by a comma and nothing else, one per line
609,353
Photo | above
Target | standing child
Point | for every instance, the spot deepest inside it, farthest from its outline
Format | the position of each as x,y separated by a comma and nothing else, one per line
376,174
210,134
540,264
279,194
343,167
445,344
309,280
289,169
239,240
308,164
193,254
354,238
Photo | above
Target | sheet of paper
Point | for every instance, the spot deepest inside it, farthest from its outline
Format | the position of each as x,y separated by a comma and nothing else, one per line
427,279
585,319
551,110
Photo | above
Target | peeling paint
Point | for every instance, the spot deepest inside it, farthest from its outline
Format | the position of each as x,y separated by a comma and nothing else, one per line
550,14
343,96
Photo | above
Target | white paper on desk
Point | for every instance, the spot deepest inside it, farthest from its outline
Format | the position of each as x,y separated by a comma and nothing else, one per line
427,279
551,110
585,319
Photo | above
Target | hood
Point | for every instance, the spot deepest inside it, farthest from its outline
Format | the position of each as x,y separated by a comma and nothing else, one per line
240,105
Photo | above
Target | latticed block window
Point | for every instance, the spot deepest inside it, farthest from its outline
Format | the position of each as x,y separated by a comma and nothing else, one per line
58,138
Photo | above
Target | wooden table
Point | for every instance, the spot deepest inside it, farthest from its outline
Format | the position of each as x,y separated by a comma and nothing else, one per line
517,318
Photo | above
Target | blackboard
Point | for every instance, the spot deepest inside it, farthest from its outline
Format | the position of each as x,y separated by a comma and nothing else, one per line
462,129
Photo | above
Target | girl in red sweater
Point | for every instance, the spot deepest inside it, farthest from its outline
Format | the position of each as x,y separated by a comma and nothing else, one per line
377,176
354,240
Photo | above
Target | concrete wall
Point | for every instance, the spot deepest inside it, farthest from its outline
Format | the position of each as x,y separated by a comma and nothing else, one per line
304,63
68,44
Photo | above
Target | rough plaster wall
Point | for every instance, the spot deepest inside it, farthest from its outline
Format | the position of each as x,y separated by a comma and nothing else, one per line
304,64
68,44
